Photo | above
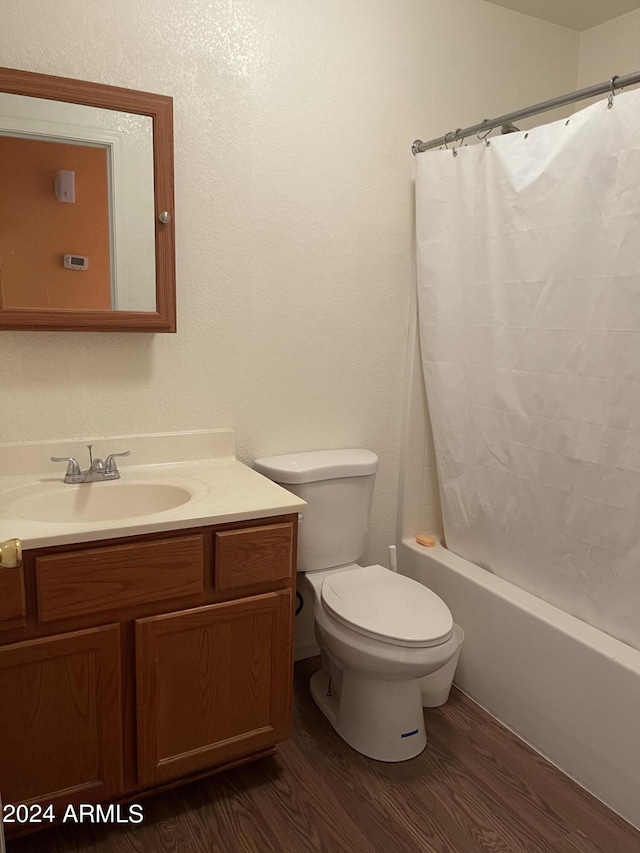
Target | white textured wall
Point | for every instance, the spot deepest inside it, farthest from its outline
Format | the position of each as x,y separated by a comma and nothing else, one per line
294,209
610,48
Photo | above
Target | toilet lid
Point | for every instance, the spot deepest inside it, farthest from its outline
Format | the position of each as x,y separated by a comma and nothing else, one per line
392,608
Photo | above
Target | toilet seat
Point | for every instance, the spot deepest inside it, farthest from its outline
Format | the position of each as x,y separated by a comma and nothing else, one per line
388,607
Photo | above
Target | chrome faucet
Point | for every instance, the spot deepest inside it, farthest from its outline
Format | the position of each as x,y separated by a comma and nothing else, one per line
97,470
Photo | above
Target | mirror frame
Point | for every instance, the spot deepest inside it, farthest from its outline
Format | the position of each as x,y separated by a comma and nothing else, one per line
160,109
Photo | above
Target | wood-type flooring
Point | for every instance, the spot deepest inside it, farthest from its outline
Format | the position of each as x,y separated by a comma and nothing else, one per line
475,789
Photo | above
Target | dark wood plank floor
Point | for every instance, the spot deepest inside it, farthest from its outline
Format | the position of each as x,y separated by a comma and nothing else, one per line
475,788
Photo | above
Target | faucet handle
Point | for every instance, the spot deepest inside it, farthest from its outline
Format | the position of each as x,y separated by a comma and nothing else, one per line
110,466
73,469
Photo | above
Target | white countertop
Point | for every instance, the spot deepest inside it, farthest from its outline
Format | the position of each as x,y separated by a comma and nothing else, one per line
222,488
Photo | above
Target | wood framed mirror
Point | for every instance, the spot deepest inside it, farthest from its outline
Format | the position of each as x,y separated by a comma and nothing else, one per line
87,239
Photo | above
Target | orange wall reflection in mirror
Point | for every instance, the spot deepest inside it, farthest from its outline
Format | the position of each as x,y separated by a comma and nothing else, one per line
37,230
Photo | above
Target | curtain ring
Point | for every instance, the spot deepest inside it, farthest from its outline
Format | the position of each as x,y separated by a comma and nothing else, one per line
454,152
446,139
487,132
611,93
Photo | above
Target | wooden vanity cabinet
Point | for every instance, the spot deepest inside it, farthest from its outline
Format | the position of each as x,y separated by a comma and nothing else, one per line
144,661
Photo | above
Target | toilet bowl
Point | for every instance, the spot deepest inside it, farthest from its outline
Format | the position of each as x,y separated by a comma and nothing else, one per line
379,632
369,686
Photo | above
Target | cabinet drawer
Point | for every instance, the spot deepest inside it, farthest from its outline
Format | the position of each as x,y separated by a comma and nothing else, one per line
76,583
12,603
253,555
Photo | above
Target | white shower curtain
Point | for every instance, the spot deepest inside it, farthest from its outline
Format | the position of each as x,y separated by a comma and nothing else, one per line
529,306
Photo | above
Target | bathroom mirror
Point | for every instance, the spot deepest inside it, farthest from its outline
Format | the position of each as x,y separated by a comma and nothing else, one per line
86,206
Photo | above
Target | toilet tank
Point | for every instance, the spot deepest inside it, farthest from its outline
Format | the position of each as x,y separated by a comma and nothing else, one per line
338,487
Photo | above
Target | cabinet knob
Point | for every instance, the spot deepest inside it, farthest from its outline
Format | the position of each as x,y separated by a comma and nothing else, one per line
11,554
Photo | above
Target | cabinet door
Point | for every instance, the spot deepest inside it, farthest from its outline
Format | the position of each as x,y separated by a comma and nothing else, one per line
213,684
60,718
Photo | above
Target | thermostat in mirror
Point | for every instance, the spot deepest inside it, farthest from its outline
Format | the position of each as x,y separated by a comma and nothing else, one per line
76,262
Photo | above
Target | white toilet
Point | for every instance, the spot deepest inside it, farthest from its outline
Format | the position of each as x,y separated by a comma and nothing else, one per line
379,632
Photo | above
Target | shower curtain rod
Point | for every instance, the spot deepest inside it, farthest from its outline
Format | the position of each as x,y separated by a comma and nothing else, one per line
489,124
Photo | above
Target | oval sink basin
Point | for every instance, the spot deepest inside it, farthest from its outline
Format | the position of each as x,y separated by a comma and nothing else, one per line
101,502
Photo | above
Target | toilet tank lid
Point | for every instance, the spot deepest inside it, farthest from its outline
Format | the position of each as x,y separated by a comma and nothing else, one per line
317,465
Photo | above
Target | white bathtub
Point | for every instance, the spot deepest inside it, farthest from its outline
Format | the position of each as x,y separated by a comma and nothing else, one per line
569,690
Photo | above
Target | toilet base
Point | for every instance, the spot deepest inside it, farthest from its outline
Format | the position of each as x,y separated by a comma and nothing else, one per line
381,719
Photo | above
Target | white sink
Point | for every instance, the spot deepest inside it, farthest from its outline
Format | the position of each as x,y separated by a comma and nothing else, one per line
177,481
99,501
